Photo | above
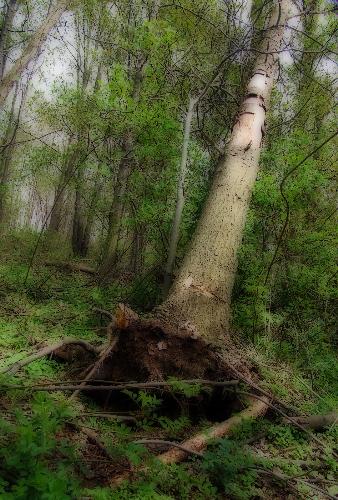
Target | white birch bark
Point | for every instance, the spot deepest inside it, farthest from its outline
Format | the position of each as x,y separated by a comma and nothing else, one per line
201,294
175,230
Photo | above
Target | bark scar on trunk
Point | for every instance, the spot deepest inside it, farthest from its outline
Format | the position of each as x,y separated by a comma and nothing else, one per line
203,290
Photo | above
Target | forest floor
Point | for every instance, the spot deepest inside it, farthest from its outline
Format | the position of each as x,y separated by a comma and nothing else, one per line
54,447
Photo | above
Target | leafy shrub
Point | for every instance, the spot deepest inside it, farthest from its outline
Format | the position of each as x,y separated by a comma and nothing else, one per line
230,469
28,445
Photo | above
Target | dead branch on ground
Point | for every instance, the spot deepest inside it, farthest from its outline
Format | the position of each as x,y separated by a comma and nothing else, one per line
15,367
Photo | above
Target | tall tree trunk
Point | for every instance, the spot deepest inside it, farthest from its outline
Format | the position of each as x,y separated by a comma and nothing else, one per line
110,252
31,50
7,149
6,25
68,170
201,294
179,200
79,222
87,232
110,248
308,78
82,218
308,57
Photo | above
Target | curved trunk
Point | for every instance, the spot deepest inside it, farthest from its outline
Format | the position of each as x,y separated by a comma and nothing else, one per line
31,50
110,253
201,294
6,25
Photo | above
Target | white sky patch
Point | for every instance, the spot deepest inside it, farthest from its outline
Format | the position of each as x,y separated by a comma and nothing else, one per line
58,57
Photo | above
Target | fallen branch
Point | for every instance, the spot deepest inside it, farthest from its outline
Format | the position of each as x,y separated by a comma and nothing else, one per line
92,436
105,353
114,416
169,443
117,387
277,474
72,266
315,422
103,312
15,367
199,442
278,410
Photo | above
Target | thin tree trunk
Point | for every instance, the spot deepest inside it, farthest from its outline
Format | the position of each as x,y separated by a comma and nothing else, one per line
110,249
180,200
82,218
110,253
87,232
8,147
6,25
201,294
7,153
308,57
79,222
31,50
137,250
68,170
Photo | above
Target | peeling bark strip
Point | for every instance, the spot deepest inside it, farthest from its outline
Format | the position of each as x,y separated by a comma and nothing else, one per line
31,50
211,262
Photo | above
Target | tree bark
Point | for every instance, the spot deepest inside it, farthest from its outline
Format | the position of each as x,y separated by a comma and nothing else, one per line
201,294
6,25
79,245
7,152
110,252
31,50
68,170
110,248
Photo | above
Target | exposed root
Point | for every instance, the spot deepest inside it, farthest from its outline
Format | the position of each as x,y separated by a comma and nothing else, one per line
104,354
150,350
15,367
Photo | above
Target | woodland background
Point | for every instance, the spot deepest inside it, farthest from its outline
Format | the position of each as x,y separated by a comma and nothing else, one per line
91,141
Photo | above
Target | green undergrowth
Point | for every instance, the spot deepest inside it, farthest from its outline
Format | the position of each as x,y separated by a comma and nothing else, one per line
43,457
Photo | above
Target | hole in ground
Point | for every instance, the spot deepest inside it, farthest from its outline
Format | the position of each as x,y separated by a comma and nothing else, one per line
150,352
214,405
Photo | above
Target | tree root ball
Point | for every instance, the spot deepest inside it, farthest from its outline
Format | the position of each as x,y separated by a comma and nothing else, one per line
152,350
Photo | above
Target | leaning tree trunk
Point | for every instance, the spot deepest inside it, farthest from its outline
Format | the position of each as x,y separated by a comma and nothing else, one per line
67,172
110,252
31,50
79,221
6,150
6,26
201,294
